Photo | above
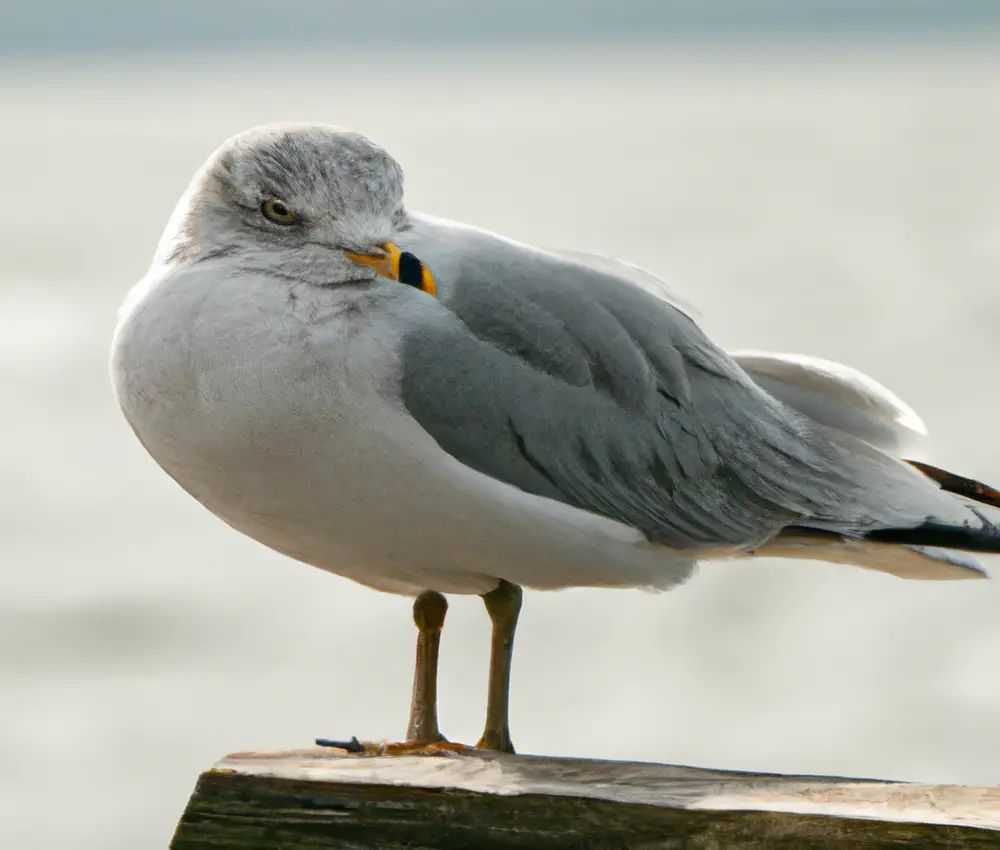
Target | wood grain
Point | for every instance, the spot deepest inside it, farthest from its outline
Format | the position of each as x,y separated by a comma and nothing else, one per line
323,798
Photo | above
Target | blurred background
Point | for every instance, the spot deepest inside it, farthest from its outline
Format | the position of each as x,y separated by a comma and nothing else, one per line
819,177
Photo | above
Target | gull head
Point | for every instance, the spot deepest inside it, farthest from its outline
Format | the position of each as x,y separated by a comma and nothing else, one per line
305,203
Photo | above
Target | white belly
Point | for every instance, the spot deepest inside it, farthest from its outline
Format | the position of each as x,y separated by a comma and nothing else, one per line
291,433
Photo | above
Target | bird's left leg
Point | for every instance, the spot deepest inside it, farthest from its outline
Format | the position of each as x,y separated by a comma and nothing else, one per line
503,604
428,614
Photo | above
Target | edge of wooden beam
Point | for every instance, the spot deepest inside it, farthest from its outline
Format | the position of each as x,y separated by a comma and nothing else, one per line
664,786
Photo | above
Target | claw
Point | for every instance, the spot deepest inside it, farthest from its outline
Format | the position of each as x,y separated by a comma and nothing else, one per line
352,746
395,748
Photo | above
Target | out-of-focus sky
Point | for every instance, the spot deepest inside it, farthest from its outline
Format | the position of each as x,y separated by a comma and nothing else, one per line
54,27
820,177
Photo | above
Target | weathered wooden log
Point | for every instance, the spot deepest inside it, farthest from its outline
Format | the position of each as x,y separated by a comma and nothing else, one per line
324,799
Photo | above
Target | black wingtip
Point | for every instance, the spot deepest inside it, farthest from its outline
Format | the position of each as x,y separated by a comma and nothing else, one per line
962,538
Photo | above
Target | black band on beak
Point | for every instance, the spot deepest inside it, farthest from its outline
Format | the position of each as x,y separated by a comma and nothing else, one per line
411,270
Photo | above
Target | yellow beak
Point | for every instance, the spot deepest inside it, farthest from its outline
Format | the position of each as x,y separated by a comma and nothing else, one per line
397,265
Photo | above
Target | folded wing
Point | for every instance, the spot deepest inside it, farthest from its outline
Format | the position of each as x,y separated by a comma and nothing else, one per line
565,378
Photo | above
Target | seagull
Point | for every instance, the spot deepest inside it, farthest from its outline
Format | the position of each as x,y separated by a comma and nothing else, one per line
428,408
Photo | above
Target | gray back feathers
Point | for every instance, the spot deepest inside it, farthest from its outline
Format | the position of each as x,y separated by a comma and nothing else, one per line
569,381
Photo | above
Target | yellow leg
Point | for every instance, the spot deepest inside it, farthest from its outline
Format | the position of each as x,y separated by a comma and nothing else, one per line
422,733
428,613
503,606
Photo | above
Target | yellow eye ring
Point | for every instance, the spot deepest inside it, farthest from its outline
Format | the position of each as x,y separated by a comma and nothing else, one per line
278,212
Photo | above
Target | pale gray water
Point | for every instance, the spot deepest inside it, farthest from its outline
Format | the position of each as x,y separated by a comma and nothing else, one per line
845,204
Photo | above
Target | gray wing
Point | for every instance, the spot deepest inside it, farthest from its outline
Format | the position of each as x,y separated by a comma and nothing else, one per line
571,382
631,273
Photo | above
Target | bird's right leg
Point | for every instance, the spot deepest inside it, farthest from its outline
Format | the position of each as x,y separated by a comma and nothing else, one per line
422,733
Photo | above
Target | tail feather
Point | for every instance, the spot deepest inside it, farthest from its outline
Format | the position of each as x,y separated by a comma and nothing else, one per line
932,550
838,397
904,561
907,518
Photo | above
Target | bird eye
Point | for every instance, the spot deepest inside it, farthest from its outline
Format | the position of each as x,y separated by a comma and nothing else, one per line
277,212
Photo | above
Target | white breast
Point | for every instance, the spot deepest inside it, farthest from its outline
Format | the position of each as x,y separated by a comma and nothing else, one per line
278,409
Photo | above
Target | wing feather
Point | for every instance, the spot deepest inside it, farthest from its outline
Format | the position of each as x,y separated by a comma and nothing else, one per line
569,380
